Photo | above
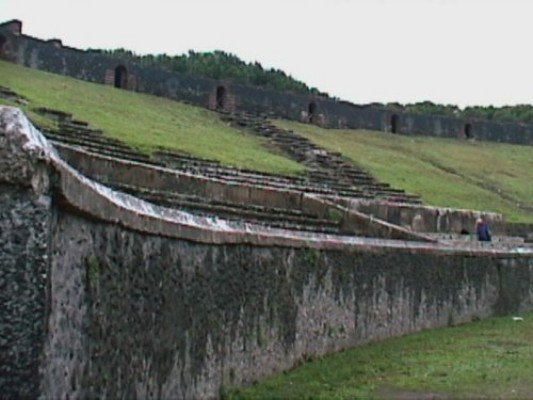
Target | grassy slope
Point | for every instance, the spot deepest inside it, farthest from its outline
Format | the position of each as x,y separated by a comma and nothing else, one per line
488,359
445,172
143,121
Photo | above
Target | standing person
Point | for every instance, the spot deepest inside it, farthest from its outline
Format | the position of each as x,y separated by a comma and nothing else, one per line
482,231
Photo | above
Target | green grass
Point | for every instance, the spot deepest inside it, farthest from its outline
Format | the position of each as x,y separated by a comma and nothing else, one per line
146,122
444,172
488,359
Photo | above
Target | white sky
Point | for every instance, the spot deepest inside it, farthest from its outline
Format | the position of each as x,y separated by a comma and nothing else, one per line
464,52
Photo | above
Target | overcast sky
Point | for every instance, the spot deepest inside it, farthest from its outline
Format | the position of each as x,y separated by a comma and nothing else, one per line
464,52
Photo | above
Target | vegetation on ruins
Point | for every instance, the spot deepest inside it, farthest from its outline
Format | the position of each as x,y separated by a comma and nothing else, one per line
519,113
445,172
218,65
489,359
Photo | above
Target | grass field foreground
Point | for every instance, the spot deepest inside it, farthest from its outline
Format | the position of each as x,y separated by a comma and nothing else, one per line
489,359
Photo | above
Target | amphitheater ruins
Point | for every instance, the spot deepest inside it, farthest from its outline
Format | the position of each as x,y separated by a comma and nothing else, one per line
167,276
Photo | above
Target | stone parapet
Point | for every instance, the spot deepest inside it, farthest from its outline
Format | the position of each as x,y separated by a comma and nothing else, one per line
427,219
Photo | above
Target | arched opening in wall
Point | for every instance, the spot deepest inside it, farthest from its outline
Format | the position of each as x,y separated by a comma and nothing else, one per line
311,112
121,77
222,94
2,44
394,119
468,131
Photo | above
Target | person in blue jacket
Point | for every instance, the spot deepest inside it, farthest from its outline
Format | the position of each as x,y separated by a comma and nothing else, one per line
482,231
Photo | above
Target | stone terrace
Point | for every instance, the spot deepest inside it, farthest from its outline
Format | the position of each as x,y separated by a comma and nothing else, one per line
71,134
328,176
328,172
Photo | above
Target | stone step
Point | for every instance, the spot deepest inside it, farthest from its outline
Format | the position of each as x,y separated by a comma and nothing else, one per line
184,159
55,115
276,217
79,130
339,176
88,139
105,151
99,147
239,175
400,200
76,123
194,199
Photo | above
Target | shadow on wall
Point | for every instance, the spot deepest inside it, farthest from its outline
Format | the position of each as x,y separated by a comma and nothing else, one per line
221,97
394,121
2,43
468,131
311,112
121,77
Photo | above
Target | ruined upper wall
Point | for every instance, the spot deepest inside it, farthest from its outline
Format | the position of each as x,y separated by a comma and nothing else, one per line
227,96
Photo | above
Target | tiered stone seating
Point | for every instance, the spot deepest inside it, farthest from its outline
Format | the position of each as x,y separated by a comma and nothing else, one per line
329,176
8,94
321,181
79,133
304,184
272,216
326,169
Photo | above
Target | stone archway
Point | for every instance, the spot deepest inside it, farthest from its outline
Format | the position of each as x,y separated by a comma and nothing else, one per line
121,77
221,98
311,112
2,44
468,131
394,122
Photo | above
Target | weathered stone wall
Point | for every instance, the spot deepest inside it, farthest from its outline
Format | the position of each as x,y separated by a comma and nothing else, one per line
140,316
24,244
25,227
94,67
143,316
